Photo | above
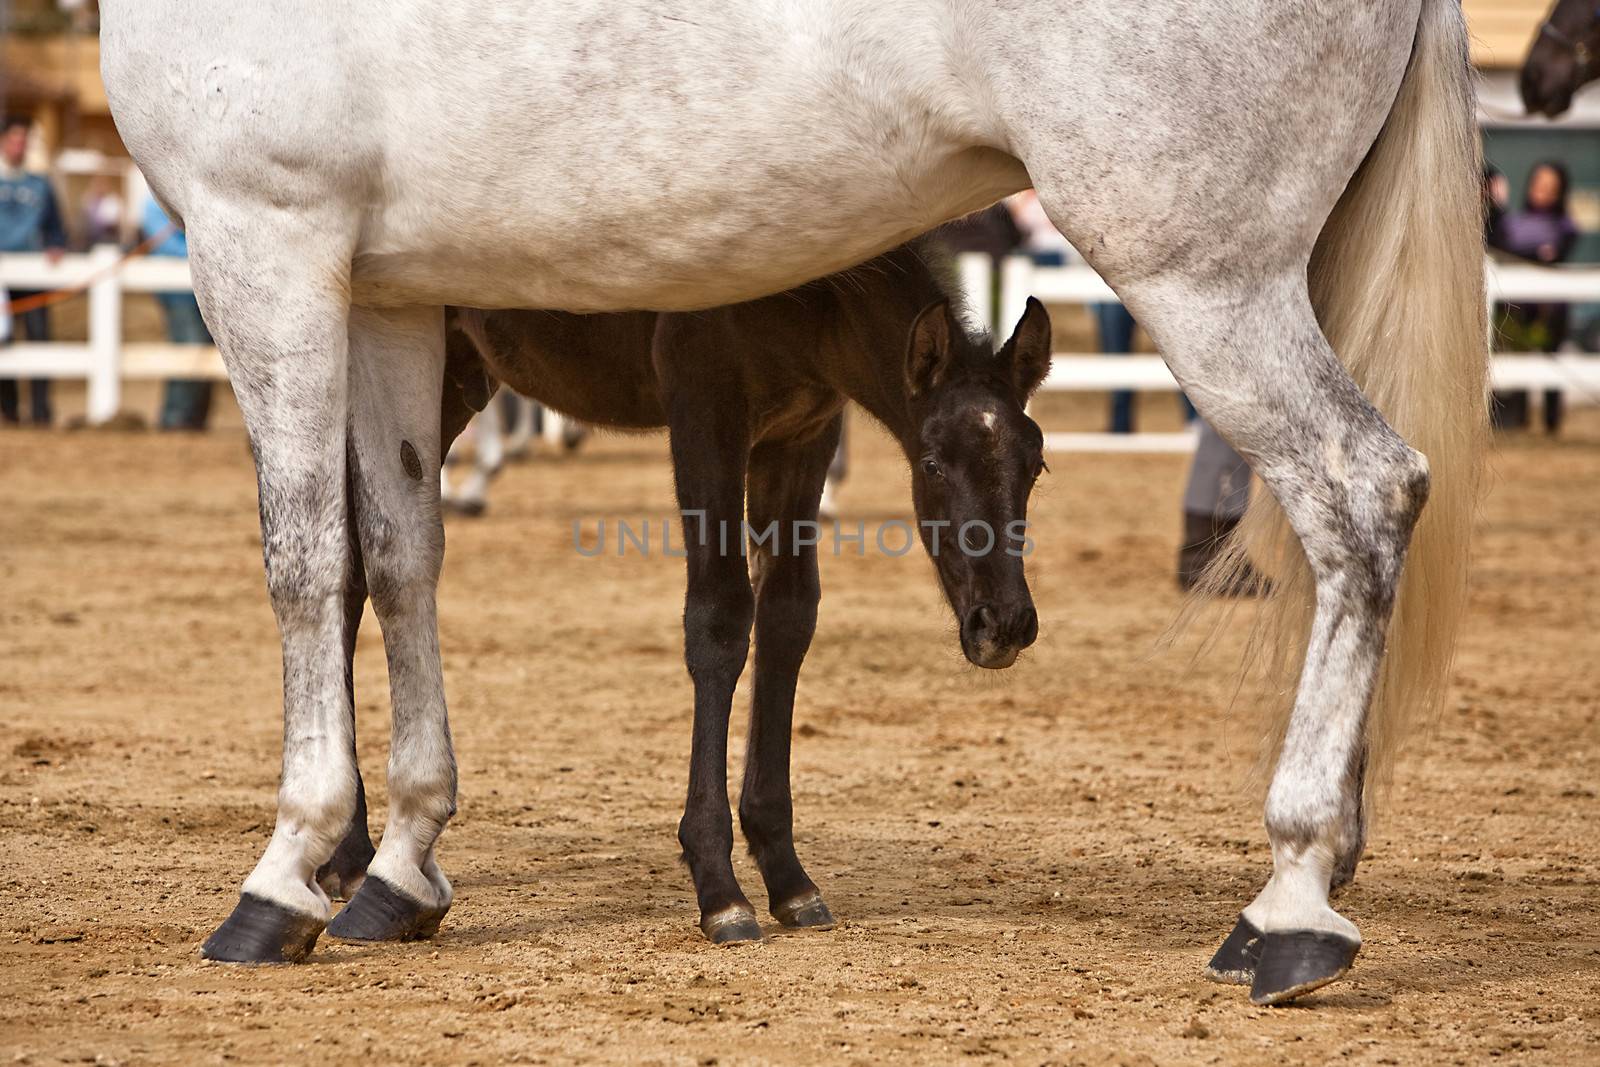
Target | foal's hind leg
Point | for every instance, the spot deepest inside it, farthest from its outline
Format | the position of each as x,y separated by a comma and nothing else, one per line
785,485
396,374
1259,369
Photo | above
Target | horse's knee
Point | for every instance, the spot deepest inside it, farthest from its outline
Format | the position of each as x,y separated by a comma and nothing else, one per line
319,807
403,551
716,628
400,580
422,787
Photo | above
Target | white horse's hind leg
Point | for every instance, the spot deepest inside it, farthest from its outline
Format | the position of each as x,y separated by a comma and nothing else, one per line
396,374
281,325
1258,367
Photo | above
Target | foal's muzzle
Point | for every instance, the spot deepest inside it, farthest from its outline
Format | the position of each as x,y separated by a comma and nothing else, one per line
992,635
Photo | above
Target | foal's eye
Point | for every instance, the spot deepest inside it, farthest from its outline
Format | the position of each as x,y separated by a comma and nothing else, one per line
1040,467
931,468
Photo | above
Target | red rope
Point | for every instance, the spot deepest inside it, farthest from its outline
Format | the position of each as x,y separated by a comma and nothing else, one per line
57,296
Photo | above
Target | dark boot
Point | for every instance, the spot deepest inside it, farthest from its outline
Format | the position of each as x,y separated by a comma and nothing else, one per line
1203,537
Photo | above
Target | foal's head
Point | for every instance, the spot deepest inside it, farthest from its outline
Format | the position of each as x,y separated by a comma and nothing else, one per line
974,456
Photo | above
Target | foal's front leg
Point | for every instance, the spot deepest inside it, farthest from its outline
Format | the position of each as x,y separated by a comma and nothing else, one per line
785,488
709,450
396,375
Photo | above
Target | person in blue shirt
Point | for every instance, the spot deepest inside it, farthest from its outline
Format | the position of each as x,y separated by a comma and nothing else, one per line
30,221
185,404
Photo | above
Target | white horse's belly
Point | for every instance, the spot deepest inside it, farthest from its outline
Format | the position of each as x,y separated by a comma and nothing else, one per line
686,175
701,247
572,155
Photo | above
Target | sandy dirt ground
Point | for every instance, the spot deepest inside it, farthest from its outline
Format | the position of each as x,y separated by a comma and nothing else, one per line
1029,867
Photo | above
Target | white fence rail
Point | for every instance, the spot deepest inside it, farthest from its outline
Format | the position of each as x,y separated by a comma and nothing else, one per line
1020,278
105,360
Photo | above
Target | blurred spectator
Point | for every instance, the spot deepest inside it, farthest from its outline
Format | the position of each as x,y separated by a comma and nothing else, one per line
30,221
991,231
1496,195
185,403
1040,240
1544,232
1214,501
102,212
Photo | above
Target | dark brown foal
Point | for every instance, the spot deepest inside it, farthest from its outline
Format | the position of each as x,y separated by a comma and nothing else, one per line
752,396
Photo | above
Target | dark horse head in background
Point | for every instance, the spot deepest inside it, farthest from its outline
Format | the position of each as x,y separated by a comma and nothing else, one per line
1564,58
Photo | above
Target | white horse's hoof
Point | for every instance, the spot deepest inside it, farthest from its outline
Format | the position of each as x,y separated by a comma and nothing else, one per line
1295,962
1235,961
260,931
379,912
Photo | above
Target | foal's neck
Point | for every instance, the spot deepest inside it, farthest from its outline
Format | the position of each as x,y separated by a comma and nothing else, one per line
878,302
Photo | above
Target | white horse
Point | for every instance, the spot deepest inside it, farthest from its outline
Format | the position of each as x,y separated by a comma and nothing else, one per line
1284,193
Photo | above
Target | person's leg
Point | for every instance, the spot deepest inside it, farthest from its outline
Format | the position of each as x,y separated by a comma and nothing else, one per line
10,411
1553,411
185,403
36,325
1213,503
1116,338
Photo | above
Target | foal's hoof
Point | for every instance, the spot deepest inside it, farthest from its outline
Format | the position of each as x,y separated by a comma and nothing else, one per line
806,911
732,925
1297,961
378,912
260,931
1235,962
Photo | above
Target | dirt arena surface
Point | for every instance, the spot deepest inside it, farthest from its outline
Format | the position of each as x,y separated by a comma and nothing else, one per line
1029,867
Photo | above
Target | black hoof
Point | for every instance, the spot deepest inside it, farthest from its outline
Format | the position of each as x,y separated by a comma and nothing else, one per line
260,931
806,911
731,926
1235,962
379,913
1297,961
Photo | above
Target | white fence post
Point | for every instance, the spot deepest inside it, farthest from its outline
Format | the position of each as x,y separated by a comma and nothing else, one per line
977,279
105,334
553,427
1016,283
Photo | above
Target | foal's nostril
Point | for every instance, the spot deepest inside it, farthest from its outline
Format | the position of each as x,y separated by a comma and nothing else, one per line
1028,628
981,622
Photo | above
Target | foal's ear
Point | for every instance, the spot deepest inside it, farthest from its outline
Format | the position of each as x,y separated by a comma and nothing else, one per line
928,351
1028,351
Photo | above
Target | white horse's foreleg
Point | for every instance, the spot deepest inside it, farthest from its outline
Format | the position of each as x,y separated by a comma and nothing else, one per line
281,325
396,373
1258,367
519,437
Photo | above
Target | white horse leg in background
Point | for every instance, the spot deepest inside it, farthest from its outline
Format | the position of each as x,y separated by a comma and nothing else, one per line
1193,153
519,436
489,451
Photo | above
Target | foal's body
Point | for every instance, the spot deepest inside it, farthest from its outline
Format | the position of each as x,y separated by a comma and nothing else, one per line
752,396
344,171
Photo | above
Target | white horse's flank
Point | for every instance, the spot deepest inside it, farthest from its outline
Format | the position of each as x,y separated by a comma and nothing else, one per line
345,171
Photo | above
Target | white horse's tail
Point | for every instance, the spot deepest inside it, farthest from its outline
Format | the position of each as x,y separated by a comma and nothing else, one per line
1397,282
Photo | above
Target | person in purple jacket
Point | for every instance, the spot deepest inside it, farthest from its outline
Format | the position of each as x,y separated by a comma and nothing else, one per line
1542,232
